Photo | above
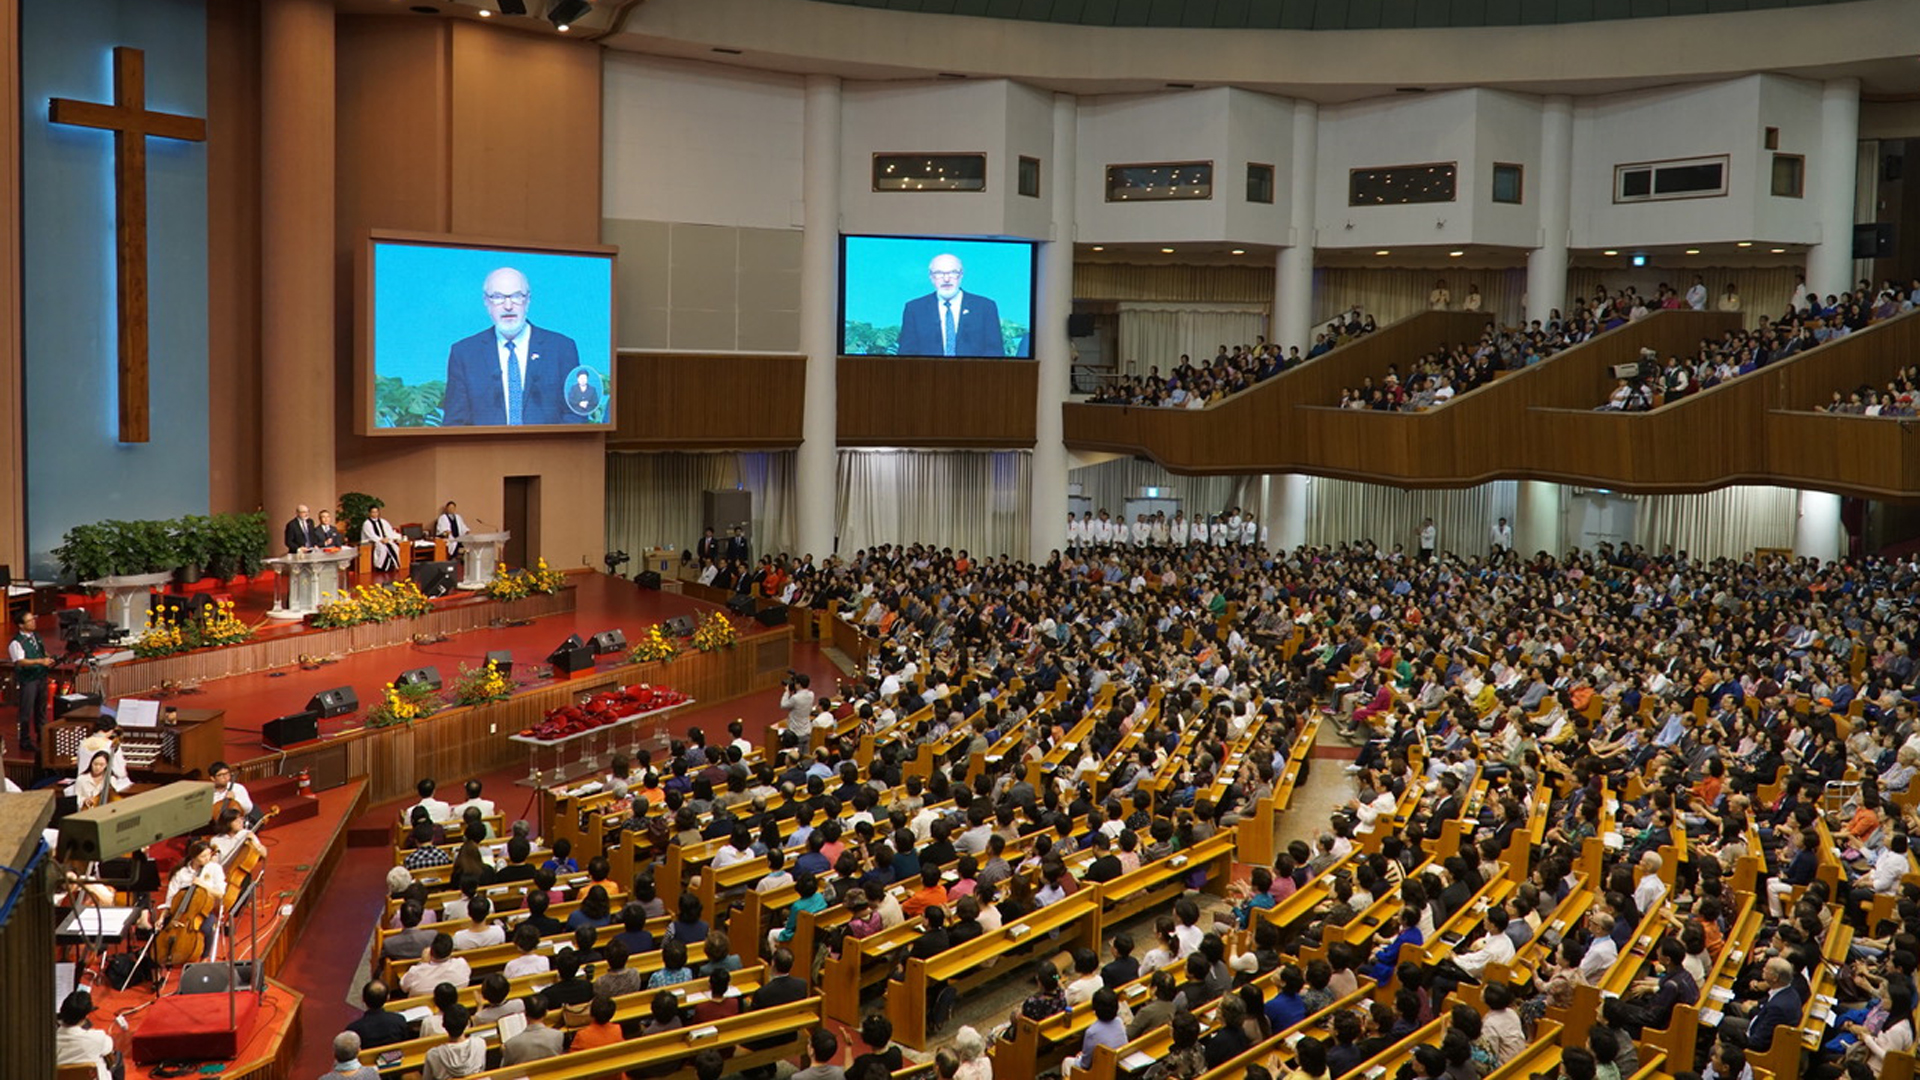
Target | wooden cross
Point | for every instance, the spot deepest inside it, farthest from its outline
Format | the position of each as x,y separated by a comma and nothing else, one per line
131,122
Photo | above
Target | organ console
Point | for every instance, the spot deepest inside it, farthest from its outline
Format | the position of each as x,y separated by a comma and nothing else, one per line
169,752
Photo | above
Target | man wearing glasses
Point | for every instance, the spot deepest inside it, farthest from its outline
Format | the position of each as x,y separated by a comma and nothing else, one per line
513,372
949,321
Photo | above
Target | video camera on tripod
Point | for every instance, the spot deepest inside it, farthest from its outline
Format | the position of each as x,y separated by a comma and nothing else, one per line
84,634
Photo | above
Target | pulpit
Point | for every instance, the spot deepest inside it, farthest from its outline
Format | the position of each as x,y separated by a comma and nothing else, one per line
479,554
130,597
306,576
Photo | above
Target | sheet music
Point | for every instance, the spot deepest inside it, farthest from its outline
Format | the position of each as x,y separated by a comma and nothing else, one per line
62,982
138,713
99,921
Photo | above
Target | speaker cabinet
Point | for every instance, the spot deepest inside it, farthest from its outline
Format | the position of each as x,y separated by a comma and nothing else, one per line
502,661
772,615
680,626
287,730
608,641
435,579
428,676
648,579
338,701
571,657
1079,325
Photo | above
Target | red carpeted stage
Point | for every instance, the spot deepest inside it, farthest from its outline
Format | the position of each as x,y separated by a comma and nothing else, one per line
313,921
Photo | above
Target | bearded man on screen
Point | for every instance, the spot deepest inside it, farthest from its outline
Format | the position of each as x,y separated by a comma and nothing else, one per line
512,373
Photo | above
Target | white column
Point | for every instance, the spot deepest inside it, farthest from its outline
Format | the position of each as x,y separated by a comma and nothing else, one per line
1816,528
1287,518
1047,528
819,275
1552,192
1293,268
1830,186
1537,525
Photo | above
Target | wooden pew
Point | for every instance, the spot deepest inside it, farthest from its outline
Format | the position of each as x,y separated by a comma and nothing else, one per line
787,1026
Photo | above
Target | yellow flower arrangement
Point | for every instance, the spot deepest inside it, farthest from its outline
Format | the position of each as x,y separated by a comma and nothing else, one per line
371,604
654,645
212,628
715,632
478,686
518,584
402,705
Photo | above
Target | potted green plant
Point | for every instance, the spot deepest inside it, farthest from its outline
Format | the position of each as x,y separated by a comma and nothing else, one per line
86,552
194,538
143,547
238,545
353,513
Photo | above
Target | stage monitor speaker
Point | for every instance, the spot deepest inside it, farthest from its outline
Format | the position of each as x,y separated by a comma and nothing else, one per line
741,604
572,656
1874,240
502,661
1079,325
211,978
292,728
436,579
338,701
648,579
608,641
428,676
680,626
772,615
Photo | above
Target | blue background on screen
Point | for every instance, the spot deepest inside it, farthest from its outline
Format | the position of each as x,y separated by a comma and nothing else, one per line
427,296
882,273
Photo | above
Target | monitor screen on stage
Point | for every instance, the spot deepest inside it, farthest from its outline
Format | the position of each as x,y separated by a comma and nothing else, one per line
489,339
928,296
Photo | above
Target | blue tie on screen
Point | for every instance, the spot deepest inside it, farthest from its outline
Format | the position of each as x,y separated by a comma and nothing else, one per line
513,385
947,327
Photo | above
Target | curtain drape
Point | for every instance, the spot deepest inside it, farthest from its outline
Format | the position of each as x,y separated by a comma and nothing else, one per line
1388,294
976,500
1158,334
1342,511
1110,484
653,499
1730,522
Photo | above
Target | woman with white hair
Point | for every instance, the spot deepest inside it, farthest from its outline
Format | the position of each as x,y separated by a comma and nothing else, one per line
971,1050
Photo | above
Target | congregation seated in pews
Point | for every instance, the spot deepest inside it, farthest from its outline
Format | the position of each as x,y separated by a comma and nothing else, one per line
1613,815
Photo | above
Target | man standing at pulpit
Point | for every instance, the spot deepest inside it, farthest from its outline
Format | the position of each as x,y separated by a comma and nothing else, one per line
30,668
451,526
302,534
385,541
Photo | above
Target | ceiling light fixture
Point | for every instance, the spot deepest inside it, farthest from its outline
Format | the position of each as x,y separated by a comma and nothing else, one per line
1744,243
1609,251
562,13
1455,254
1166,251
1238,251
1383,251
1693,251
1778,251
1097,247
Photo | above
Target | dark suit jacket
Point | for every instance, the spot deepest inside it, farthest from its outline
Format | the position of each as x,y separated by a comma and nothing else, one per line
584,401
474,396
979,327
709,547
1448,808
295,541
1780,1008
379,1028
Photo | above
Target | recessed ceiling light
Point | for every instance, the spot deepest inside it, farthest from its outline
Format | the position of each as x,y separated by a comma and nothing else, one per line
1166,251
1693,251
1455,254
1097,247
1238,251
486,13
1383,251
1744,243
1778,251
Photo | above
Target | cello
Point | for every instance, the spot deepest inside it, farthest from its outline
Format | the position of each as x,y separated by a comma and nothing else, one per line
182,940
244,861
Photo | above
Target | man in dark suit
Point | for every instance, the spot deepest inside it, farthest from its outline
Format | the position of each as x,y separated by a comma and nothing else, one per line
377,1026
302,533
737,549
513,372
1782,1005
949,321
709,548
1447,808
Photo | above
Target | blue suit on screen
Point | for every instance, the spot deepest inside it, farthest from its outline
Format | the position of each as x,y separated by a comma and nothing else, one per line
475,397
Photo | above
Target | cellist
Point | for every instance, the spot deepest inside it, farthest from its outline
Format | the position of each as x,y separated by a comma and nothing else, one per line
95,785
227,791
230,834
202,870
